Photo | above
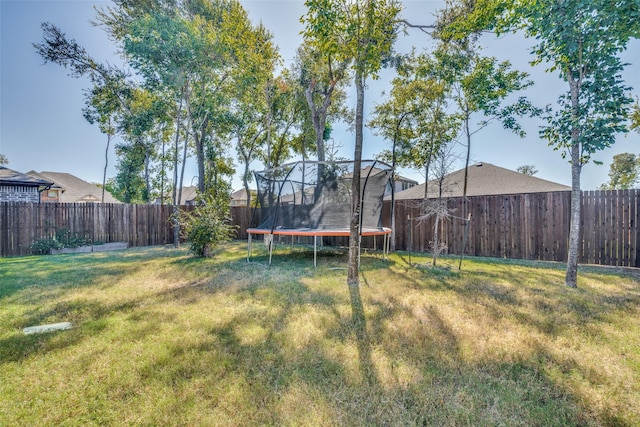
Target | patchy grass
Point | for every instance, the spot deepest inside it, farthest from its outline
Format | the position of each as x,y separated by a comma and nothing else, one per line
161,338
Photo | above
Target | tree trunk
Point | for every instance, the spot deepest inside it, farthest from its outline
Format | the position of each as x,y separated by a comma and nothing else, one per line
106,162
184,162
353,278
393,192
466,163
176,220
147,176
199,140
571,277
426,178
319,117
435,245
163,172
245,180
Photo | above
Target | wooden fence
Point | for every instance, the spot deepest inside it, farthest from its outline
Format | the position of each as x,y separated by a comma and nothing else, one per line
530,226
525,226
139,225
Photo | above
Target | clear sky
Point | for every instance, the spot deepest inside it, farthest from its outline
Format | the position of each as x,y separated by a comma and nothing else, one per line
42,128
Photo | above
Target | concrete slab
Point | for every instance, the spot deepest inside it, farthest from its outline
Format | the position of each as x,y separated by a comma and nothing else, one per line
47,328
114,246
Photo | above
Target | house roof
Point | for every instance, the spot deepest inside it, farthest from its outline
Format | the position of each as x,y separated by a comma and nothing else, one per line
484,179
399,178
242,194
189,194
11,177
74,189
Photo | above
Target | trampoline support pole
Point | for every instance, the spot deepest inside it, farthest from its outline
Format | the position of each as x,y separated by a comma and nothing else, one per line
249,247
315,244
270,247
385,246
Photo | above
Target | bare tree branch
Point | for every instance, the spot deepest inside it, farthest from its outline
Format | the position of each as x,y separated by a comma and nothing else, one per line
423,28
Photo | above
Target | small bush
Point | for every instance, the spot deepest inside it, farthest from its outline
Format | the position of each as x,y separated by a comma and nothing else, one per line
44,246
208,226
63,238
71,239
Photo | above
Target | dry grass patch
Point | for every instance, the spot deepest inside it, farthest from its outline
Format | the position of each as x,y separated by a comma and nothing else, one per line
161,338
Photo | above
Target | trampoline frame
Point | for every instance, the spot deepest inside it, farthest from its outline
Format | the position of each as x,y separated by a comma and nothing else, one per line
315,233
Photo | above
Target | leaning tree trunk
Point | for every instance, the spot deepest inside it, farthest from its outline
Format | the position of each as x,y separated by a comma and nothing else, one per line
353,278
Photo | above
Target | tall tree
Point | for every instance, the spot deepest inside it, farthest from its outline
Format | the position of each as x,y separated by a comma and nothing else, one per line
394,120
528,170
438,125
248,129
128,185
284,113
413,118
100,108
624,172
110,94
361,33
480,87
322,78
635,117
3,160
580,40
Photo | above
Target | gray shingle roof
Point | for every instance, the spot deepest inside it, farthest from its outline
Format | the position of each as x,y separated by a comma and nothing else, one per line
11,177
484,179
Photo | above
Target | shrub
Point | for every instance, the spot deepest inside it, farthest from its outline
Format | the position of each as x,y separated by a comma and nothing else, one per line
72,239
208,226
44,246
63,238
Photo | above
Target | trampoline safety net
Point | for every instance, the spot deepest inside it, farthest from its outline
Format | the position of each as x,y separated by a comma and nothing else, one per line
317,195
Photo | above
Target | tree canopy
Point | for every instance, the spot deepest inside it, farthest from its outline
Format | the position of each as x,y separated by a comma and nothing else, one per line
580,40
624,172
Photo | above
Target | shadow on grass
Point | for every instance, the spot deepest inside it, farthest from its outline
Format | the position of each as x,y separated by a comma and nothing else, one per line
501,290
408,366
359,325
403,379
40,290
58,272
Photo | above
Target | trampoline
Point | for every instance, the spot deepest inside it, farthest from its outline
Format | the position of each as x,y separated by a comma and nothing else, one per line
310,198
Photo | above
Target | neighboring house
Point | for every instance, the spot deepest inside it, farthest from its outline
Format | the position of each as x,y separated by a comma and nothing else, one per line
68,188
484,179
20,187
401,183
188,196
404,183
239,198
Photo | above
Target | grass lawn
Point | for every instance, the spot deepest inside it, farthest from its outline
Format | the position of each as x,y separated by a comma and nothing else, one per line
162,338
